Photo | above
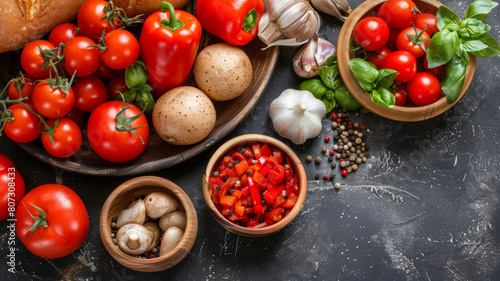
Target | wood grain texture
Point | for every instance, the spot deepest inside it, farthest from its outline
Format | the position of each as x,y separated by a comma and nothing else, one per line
159,154
398,113
243,141
120,199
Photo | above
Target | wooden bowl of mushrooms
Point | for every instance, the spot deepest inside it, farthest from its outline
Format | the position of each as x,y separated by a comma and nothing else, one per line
148,224
254,185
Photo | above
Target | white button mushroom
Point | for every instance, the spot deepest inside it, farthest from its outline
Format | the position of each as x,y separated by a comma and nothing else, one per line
156,234
134,239
159,203
135,213
175,218
170,239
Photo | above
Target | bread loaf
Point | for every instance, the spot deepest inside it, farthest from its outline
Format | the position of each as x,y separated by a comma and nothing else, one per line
23,21
145,7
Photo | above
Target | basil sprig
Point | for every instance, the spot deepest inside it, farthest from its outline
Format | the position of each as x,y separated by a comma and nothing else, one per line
376,82
457,39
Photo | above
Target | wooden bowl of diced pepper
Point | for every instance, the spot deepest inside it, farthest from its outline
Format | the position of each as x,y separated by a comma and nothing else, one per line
254,185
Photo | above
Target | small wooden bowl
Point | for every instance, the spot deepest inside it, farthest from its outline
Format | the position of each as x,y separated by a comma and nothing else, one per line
398,113
298,168
120,199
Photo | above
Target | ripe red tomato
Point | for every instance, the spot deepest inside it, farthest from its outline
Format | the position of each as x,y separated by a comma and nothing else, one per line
438,71
426,21
66,218
397,13
24,128
401,97
48,102
62,33
90,92
26,90
393,35
67,138
80,57
76,115
378,58
105,73
404,63
111,144
371,33
11,187
116,85
406,44
122,49
90,20
424,88
32,59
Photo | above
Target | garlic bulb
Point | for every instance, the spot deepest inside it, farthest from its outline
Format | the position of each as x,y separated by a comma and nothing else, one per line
288,23
337,8
312,56
297,115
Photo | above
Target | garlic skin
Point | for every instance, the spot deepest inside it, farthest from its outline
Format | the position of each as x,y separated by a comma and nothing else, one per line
337,8
297,115
312,56
288,23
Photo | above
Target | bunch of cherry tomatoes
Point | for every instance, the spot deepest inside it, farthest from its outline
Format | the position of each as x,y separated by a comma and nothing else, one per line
397,39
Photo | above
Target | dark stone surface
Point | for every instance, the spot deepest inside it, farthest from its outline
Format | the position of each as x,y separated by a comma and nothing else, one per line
424,207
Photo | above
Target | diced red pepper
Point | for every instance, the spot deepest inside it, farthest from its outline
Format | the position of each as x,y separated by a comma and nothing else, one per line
276,175
261,161
238,193
248,153
256,151
272,192
227,185
290,167
275,214
256,200
233,216
280,199
278,155
260,225
245,190
258,179
239,209
264,170
238,155
291,187
243,179
241,167
290,202
265,151
228,200
248,210
232,173
288,175
227,210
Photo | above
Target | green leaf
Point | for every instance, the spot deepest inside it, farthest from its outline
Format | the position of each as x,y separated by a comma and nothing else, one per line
383,97
453,78
463,54
315,86
446,16
472,28
332,60
345,99
364,71
473,46
136,75
367,87
493,49
442,47
329,74
480,9
329,101
385,78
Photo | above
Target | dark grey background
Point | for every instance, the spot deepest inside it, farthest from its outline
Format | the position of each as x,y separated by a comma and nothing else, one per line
424,207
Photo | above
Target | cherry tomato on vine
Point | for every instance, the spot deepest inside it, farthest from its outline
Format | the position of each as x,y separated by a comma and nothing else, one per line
67,138
397,13
81,58
411,39
404,63
438,71
426,21
25,126
90,20
90,92
117,143
379,56
401,97
371,33
12,187
424,89
116,85
105,73
32,59
121,49
48,102
62,33
66,219
26,90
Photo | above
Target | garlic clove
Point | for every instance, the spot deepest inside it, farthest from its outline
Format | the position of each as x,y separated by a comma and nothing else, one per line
312,56
292,15
337,8
325,50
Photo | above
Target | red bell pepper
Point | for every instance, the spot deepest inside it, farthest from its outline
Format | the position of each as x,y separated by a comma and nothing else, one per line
272,192
169,43
234,21
276,175
256,201
242,167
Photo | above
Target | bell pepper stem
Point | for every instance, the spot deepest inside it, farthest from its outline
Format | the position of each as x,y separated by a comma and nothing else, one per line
172,23
250,20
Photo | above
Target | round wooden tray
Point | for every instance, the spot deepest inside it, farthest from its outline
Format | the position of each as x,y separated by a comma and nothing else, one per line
159,154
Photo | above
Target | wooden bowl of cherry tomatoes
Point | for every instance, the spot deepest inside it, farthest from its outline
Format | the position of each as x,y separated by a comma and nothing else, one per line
405,109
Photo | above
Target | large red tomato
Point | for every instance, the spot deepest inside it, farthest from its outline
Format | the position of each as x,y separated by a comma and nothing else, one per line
424,89
405,43
404,63
426,21
49,102
11,187
63,221
397,13
24,127
32,59
371,33
122,49
25,90
81,58
67,138
90,92
90,19
117,143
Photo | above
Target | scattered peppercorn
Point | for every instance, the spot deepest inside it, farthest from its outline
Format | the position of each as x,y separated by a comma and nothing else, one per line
323,149
325,177
316,177
334,116
318,159
337,185
327,138
344,173
309,158
332,152
216,174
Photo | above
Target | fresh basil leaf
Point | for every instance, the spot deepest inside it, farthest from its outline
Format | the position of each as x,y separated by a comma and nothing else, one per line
446,16
315,86
364,71
329,74
332,60
442,47
493,48
367,87
383,97
453,78
329,101
473,46
463,54
480,9
451,27
345,99
473,28
386,77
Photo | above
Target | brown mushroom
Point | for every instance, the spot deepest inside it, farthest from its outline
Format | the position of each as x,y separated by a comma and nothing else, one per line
135,213
156,234
170,239
175,218
134,239
159,203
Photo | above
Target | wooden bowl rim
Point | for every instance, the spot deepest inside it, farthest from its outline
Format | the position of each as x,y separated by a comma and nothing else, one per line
397,113
131,185
268,230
